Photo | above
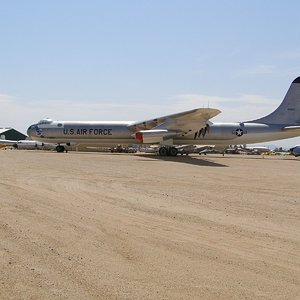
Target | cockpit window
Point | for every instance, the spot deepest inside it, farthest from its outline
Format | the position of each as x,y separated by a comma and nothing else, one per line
45,121
59,125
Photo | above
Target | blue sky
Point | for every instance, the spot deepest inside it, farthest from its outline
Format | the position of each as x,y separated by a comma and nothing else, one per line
134,60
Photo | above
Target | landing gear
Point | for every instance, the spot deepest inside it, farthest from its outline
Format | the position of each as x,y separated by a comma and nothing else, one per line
173,151
60,148
167,151
163,151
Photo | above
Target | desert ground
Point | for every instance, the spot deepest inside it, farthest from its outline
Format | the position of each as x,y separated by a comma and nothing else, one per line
137,226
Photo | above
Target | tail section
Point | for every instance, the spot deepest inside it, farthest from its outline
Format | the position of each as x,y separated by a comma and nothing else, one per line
288,112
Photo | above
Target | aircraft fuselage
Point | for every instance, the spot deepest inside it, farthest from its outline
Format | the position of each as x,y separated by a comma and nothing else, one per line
111,133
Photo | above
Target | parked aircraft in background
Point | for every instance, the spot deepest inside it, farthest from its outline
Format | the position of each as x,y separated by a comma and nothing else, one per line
247,149
295,150
257,150
211,150
188,149
28,144
182,149
191,127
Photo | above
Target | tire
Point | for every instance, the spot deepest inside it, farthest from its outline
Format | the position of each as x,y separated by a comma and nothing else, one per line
173,151
60,148
163,151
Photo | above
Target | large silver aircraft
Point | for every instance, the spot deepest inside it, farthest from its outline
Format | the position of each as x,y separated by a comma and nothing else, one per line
191,127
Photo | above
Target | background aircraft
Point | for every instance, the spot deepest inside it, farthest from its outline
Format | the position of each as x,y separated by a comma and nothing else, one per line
188,149
247,149
256,149
186,128
28,144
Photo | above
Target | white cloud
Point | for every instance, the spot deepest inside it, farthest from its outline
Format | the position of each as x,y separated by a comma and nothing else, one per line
235,109
259,70
5,99
288,55
20,114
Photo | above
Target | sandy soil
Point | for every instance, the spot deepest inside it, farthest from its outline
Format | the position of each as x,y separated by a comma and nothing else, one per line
117,226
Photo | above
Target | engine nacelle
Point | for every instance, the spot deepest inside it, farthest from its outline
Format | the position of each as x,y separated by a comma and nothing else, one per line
154,136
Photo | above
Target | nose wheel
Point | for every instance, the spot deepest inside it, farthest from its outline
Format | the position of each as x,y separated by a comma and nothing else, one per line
60,148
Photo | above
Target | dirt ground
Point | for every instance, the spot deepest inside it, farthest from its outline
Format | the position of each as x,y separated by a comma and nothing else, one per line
136,226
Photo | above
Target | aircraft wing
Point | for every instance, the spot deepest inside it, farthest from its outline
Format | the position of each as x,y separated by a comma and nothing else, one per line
183,123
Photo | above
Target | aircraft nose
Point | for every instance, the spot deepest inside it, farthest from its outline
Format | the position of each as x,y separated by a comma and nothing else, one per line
31,130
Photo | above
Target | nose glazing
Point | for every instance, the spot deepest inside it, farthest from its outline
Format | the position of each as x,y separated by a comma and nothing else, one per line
30,130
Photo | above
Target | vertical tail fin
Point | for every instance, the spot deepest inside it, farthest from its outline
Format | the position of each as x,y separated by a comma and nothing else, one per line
288,112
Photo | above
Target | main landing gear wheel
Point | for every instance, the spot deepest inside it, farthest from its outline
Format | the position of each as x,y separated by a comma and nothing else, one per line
168,151
60,148
163,151
173,151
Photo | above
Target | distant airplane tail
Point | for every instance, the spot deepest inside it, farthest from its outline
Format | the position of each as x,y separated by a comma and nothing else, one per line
288,112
